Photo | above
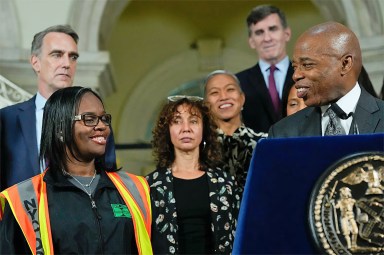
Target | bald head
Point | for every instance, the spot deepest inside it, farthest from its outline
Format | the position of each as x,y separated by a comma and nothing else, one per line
339,40
327,62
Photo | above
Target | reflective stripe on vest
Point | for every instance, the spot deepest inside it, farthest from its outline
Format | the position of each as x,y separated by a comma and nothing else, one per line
28,202
31,213
135,192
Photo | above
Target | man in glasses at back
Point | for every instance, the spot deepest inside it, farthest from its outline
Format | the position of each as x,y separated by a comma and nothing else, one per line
53,58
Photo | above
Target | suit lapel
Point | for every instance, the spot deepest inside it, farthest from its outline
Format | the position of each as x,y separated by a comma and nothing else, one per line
288,83
27,119
311,126
365,119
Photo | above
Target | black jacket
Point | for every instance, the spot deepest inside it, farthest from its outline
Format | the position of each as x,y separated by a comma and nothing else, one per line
76,227
369,117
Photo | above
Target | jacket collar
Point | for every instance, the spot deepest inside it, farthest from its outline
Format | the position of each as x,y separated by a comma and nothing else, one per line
58,179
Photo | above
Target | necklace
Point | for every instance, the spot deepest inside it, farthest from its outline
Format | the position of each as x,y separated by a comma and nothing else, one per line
85,186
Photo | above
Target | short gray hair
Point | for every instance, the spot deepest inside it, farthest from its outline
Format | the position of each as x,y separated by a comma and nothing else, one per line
38,38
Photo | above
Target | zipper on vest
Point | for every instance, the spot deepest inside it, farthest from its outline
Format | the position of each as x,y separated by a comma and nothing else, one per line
94,207
98,218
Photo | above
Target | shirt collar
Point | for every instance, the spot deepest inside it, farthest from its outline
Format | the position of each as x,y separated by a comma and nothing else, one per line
348,102
282,65
40,101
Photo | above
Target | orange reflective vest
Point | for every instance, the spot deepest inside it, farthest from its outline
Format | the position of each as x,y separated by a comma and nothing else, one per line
28,202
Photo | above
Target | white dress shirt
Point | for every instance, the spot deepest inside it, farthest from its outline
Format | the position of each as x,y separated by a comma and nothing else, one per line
348,104
40,103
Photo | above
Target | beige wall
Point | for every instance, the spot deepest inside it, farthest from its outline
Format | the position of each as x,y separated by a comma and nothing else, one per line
31,24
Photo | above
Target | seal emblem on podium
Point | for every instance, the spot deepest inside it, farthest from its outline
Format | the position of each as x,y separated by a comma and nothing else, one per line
346,212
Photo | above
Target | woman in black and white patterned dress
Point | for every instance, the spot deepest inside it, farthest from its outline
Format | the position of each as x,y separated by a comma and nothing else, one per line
195,204
223,93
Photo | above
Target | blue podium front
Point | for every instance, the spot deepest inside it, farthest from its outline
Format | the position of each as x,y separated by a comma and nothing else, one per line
283,172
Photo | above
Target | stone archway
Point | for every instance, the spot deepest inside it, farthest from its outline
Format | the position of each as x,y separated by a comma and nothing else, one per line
166,77
9,29
91,19
366,19
94,20
151,92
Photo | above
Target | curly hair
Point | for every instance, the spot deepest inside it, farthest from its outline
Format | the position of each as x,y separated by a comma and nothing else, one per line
163,149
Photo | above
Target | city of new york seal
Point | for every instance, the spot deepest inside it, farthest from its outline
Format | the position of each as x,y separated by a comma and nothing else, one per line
346,212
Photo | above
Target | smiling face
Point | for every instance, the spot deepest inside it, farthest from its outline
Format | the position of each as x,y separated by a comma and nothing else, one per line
318,71
225,98
55,66
186,129
269,38
90,141
327,62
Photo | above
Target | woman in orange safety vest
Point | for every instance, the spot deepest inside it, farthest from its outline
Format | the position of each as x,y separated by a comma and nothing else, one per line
77,205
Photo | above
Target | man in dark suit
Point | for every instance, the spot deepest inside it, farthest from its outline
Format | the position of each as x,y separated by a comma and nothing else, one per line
327,61
268,34
53,58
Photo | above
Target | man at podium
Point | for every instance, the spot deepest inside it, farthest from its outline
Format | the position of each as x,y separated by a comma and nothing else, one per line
286,206
327,62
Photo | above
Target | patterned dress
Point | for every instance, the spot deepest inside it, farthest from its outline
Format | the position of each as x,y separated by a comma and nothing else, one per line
237,151
225,204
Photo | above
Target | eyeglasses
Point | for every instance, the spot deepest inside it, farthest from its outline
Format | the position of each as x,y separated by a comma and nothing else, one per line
179,97
91,120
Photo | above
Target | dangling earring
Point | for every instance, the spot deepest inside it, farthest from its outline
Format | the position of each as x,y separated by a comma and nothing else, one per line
204,143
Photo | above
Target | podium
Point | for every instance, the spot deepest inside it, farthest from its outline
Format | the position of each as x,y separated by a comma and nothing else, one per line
274,214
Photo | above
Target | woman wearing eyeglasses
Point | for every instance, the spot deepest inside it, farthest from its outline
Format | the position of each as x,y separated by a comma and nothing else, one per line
194,204
77,206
